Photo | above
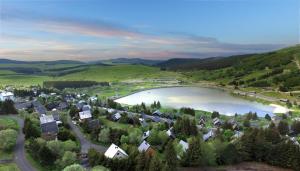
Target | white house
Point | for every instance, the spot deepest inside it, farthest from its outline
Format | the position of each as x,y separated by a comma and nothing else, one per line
184,145
115,152
146,135
144,146
116,116
7,96
85,114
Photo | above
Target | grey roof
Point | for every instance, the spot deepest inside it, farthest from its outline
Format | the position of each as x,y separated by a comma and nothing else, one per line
49,127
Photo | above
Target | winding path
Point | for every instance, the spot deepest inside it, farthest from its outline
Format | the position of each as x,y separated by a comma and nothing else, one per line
85,143
19,150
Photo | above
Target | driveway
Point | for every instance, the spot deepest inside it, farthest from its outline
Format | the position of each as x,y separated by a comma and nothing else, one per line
19,150
85,143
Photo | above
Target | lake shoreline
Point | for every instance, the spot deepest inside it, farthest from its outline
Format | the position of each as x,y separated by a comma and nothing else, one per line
190,96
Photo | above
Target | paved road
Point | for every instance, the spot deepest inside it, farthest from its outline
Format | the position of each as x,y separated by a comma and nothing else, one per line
19,151
85,143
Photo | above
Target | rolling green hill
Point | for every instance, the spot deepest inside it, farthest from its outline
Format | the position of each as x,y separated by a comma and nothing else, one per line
276,69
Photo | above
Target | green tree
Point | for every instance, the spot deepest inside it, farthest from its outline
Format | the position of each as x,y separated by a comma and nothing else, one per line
155,164
31,129
142,162
215,115
283,127
170,156
296,127
74,167
193,156
8,138
68,158
46,156
230,155
268,117
104,135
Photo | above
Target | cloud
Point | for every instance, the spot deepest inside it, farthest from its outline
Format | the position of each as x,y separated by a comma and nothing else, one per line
31,36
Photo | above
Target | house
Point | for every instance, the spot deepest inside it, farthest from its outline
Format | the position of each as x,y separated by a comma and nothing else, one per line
237,134
111,110
184,145
23,106
62,106
116,116
216,122
210,134
41,110
86,107
157,113
156,119
49,128
143,122
93,99
115,152
294,141
93,124
4,95
80,104
146,134
85,115
146,147
171,133
43,95
201,121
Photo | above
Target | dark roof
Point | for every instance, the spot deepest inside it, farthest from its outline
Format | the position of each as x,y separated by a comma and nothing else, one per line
63,105
55,115
156,119
50,127
36,103
24,105
40,109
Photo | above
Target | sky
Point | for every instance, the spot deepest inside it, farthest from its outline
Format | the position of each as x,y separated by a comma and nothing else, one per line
89,30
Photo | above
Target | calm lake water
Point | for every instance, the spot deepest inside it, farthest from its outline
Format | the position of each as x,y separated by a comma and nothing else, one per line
207,99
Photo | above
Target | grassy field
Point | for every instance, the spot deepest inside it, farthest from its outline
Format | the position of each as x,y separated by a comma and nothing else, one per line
92,73
8,123
9,167
119,73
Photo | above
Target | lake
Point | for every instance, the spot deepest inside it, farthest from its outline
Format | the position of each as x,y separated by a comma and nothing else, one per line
207,99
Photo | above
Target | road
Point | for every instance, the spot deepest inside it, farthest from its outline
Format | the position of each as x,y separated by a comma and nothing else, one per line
85,143
19,150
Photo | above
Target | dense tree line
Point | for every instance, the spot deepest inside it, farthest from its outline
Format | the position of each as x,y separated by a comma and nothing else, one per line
7,107
72,84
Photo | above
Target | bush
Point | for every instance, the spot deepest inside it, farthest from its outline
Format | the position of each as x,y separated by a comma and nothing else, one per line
8,139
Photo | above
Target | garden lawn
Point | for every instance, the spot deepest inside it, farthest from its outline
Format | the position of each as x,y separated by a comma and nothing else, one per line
9,167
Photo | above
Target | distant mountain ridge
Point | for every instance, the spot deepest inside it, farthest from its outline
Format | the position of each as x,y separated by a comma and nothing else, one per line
10,61
132,61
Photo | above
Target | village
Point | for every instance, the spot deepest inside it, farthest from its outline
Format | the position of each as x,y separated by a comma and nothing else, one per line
90,124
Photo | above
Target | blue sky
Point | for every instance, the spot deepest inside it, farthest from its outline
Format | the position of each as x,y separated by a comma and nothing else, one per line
151,29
